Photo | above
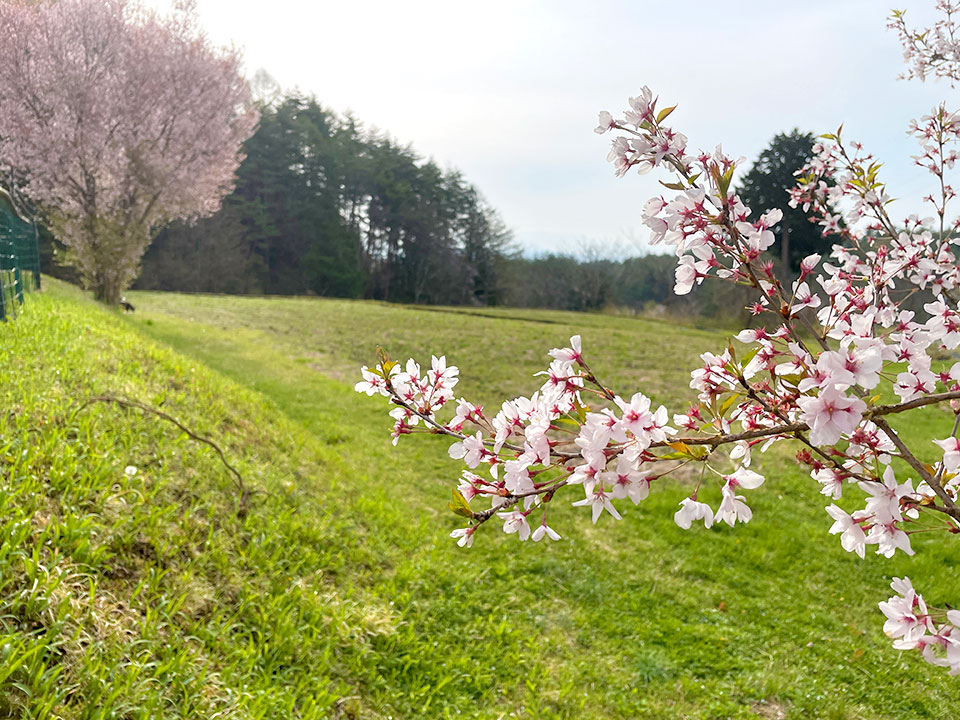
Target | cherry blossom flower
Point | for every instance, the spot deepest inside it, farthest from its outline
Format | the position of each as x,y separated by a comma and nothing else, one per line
544,529
515,521
568,354
951,454
852,538
598,501
803,298
832,481
627,481
690,511
604,122
889,538
830,415
732,508
470,450
465,536
743,478
371,384
884,500
906,613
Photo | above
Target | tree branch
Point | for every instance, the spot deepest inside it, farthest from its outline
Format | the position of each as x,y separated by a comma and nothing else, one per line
791,428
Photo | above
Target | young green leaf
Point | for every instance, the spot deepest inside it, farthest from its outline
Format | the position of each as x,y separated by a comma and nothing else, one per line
459,505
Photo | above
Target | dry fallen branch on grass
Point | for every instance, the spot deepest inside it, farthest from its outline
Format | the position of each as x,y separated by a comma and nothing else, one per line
244,493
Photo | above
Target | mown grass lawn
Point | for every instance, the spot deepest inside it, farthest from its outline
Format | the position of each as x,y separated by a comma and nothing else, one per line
338,594
622,619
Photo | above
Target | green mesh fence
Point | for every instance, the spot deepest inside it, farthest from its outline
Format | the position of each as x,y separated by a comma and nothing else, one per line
19,258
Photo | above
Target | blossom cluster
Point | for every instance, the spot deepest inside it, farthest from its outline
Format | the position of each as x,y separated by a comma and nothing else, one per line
914,626
875,318
517,459
931,51
423,394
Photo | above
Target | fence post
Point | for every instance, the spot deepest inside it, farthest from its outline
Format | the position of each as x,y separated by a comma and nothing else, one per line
6,250
36,255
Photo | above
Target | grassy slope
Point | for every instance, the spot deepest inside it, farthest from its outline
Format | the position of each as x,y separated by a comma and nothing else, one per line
339,594
147,597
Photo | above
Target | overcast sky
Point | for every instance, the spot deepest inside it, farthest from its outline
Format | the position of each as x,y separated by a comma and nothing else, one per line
508,92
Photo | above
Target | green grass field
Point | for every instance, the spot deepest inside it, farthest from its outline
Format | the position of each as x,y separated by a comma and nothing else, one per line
338,594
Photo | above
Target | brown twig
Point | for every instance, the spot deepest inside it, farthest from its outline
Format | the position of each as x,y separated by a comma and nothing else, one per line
149,409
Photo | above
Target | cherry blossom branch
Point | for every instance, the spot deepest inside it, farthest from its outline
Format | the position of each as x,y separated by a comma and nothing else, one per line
785,387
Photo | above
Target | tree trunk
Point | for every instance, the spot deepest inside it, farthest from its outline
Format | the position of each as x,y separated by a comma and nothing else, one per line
111,259
108,291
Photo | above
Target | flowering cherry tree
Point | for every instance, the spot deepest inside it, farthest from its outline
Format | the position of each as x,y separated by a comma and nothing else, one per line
813,372
117,120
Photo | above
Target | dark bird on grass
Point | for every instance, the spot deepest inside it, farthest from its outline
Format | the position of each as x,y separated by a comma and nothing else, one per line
125,304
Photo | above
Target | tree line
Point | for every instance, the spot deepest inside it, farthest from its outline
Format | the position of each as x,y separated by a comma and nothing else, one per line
323,206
